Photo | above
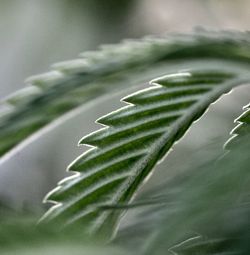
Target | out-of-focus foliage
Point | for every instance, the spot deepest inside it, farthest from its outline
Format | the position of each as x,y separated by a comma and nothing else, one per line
130,63
204,211
201,210
20,234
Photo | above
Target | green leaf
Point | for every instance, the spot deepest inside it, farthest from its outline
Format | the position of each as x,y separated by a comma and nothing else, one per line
19,234
240,141
206,210
199,245
241,130
133,62
133,140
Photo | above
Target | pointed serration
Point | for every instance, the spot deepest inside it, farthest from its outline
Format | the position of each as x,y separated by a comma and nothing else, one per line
184,79
76,66
247,106
245,117
99,156
100,193
131,56
241,130
234,142
134,139
158,94
47,80
168,112
23,96
151,113
112,137
162,102
126,52
118,167
6,110
244,123
92,55
207,246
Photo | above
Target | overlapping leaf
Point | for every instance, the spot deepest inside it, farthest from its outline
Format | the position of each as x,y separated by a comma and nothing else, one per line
241,130
132,62
20,235
133,140
209,204
233,236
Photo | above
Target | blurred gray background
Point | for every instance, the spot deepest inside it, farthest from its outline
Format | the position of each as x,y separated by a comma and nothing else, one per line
37,33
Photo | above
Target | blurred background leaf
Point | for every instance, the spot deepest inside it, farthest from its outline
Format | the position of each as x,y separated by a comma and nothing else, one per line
208,206
36,33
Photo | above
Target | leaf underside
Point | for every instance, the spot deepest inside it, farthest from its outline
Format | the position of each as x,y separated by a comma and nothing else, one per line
204,211
231,237
133,140
74,83
224,245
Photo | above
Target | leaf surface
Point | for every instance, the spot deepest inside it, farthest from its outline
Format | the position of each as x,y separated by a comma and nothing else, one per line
133,62
133,140
209,204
